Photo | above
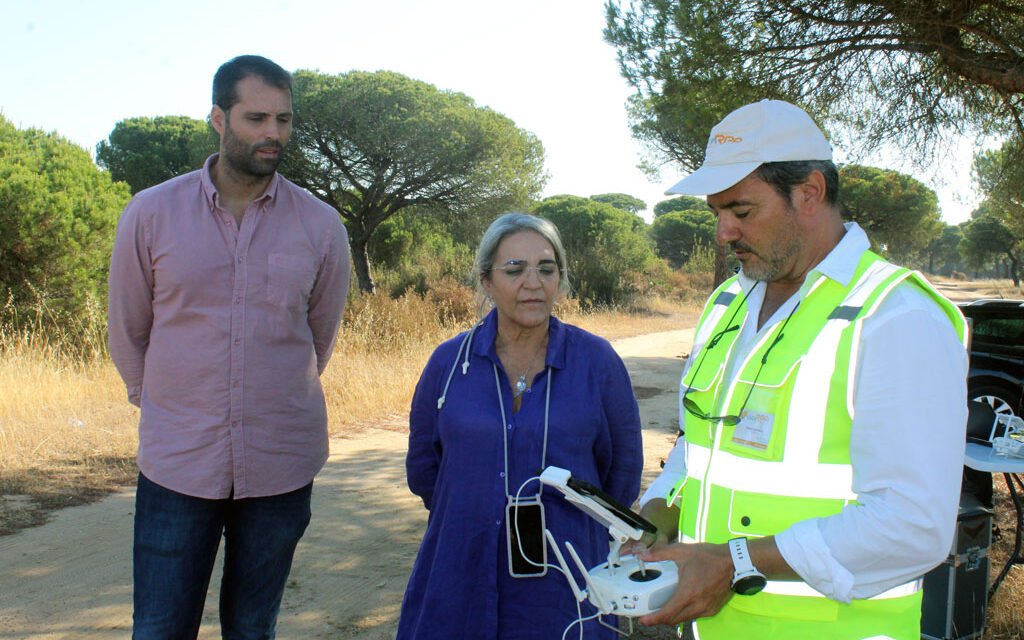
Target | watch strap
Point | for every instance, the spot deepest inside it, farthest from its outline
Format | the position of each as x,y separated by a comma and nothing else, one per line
741,562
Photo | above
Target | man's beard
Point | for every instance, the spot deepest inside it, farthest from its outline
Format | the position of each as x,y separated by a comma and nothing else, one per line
771,265
243,159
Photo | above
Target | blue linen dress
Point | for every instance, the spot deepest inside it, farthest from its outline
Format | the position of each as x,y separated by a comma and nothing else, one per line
460,587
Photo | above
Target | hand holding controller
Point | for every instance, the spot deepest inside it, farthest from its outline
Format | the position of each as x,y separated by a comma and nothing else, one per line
635,588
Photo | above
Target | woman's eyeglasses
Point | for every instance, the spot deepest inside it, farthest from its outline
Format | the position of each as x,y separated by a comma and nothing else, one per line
730,420
516,269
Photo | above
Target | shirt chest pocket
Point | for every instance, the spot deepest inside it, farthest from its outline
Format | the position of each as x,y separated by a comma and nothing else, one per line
290,279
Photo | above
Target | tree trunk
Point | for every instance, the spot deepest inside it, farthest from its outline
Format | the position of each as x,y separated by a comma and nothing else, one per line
361,263
721,265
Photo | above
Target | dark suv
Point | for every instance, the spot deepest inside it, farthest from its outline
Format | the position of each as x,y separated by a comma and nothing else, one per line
996,374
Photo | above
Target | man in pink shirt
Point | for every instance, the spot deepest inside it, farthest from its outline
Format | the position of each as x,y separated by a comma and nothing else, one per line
227,287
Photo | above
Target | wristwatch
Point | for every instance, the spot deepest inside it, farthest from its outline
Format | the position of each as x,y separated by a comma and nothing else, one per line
746,580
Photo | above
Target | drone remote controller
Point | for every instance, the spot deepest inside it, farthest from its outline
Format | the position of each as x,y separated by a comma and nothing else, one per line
624,586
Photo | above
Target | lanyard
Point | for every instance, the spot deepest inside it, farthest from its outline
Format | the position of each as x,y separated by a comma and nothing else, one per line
504,426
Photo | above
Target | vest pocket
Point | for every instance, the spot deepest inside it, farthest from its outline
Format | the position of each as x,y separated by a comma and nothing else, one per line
760,514
761,431
708,377
757,515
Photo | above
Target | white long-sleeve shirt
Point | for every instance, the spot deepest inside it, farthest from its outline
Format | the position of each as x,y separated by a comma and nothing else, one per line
906,442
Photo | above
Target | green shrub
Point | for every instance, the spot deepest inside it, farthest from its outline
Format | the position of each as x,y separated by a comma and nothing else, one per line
58,214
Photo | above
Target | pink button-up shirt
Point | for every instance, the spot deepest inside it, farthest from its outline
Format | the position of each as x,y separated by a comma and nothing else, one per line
221,332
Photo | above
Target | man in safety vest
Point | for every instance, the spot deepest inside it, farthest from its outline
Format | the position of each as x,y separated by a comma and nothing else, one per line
823,408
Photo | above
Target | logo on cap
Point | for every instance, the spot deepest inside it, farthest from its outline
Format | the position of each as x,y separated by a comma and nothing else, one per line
722,138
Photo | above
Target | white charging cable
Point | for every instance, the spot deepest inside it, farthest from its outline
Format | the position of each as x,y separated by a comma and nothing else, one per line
519,542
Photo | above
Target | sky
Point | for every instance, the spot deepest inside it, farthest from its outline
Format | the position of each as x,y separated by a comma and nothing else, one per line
78,67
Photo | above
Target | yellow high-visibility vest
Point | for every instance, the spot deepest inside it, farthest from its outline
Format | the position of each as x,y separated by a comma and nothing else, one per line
789,459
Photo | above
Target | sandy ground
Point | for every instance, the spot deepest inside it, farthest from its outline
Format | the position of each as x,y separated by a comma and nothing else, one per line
72,577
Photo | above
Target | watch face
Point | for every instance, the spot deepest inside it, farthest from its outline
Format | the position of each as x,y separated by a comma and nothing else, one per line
749,585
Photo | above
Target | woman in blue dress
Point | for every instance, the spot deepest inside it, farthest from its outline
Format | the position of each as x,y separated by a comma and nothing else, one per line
494,406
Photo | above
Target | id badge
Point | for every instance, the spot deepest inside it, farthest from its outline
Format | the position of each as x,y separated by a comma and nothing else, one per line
754,430
524,529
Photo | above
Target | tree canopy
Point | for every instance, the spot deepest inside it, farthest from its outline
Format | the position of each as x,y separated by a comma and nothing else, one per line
677,234
58,213
943,253
147,151
987,238
681,203
607,254
887,72
622,201
999,174
899,213
373,144
416,250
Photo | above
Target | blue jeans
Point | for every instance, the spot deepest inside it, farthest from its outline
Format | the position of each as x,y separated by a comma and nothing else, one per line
176,540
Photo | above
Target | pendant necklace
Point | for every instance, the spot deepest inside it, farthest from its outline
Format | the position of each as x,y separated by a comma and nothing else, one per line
520,385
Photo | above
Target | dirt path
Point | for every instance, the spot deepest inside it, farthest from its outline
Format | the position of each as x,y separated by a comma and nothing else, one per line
72,577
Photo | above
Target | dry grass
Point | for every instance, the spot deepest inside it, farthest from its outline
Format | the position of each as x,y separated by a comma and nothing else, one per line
964,290
383,347
386,343
68,434
656,314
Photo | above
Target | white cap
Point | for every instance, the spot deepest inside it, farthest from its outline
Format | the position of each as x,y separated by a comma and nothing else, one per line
765,131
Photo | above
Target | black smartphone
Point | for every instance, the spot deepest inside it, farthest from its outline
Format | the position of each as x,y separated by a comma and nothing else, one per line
527,550
622,511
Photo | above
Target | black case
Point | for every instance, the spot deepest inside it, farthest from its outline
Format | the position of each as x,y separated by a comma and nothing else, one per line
955,598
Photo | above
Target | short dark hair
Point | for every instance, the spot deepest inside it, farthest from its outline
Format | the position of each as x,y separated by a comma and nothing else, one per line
225,81
786,175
